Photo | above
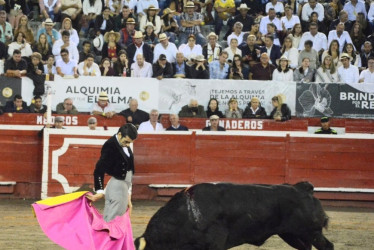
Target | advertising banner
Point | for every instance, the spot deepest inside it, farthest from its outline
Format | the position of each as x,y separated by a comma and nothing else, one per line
9,87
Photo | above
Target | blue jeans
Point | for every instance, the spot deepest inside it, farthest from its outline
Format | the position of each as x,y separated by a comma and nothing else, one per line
200,39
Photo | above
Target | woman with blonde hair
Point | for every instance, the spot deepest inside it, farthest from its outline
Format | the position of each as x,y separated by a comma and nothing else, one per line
67,25
23,26
327,73
233,111
42,46
281,111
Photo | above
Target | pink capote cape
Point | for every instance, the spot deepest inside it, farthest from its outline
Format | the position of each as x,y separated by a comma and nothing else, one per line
71,222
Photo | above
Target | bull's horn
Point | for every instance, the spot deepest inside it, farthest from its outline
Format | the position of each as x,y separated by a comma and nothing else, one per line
142,243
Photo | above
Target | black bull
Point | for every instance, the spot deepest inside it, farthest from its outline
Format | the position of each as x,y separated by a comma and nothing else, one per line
222,216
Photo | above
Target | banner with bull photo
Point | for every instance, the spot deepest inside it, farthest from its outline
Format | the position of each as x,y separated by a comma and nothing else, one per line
335,100
9,87
174,94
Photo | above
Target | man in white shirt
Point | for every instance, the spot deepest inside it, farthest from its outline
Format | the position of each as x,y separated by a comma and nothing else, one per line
141,68
341,35
318,38
348,73
312,6
66,66
152,125
103,107
165,47
143,5
289,20
354,7
65,43
276,5
88,67
270,18
367,75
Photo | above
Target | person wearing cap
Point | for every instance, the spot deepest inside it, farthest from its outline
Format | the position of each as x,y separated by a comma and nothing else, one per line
37,105
73,10
103,107
243,17
169,25
263,70
233,110
162,68
165,47
367,75
193,110
283,72
35,71
281,111
92,123
289,20
219,69
141,68
152,17
191,21
66,107
325,127
47,28
212,49
200,70
127,33
152,125
348,73
121,19
59,122
150,37
111,46
214,124
66,66
139,47
224,10
16,106
133,114
142,6
88,67
254,110
175,125
65,43
104,23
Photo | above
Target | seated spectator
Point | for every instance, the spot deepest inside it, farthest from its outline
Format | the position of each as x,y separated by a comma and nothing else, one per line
139,47
237,33
354,58
276,34
47,29
237,70
66,107
66,66
353,7
348,73
111,46
133,114
325,127
165,47
254,110
150,37
309,8
152,124
20,44
214,121
199,69
179,66
305,73
122,66
3,50
35,71
224,10
219,69
50,10
319,40
357,36
59,122
327,73
296,35
121,19
232,50
103,107
281,111
88,67
212,49
127,33
343,18
50,68
289,20
67,26
255,31
15,10
91,10
270,18
242,17
340,35
65,43
190,24
92,123
191,47
365,54
283,71
213,108
86,50
106,69
23,26
175,125
162,68
152,17
277,6
37,105
73,10
334,52
250,51
311,54
42,47
6,34
290,52
367,75
233,111
15,66
263,70
16,106
193,109
142,6
141,68
271,49
314,19
169,25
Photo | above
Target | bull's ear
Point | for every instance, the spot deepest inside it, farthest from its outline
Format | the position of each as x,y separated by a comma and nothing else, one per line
142,243
304,186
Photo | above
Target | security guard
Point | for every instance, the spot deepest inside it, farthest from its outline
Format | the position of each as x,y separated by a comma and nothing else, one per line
325,127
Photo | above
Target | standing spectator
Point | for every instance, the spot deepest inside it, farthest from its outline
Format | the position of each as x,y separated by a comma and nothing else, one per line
65,43
219,69
290,52
213,108
105,68
281,111
283,71
339,34
50,9
103,107
104,23
165,47
122,66
6,30
348,73
212,49
67,25
16,106
319,39
343,18
111,46
270,18
271,49
175,125
15,66
263,70
42,47
127,33
152,125
224,9
133,114
305,73
367,75
88,67
309,8
141,68
23,27
233,111
73,10
37,105
139,47
162,68
49,67
169,25
20,44
152,17
121,19
199,70
250,51
214,124
237,70
193,109
47,29
327,73
353,7
325,127
179,66
66,107
66,66
35,72
309,53
191,47
254,110
191,22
